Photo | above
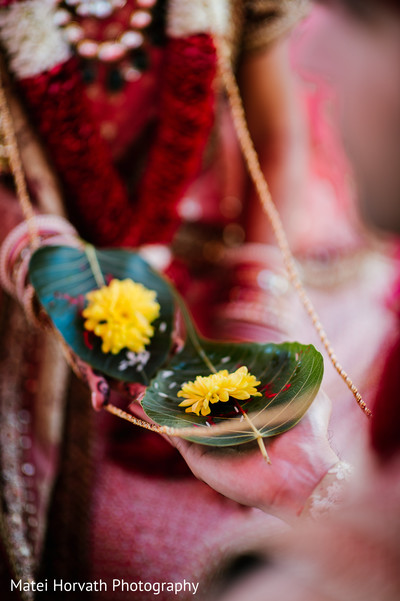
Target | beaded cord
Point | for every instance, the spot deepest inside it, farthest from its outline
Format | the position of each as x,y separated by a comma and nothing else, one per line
14,159
260,183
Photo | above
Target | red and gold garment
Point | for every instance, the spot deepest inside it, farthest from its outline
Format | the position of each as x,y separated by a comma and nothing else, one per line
125,153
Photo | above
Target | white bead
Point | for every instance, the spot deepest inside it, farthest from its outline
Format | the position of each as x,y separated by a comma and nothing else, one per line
61,17
190,209
28,469
83,10
140,19
111,51
74,33
88,48
159,257
131,39
131,74
102,9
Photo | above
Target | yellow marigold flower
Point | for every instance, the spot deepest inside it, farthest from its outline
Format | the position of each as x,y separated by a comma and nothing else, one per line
217,387
121,314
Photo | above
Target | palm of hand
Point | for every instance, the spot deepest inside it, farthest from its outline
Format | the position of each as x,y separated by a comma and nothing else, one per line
299,460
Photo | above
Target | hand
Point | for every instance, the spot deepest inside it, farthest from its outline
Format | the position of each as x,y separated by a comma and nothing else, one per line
299,460
99,387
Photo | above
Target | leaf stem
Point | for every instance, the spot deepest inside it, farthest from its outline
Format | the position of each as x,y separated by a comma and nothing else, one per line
191,330
196,343
259,438
91,255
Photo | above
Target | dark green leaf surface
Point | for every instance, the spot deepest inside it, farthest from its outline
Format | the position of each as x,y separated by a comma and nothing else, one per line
290,375
62,275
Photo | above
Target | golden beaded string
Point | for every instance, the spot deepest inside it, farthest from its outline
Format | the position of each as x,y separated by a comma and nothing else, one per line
15,163
260,183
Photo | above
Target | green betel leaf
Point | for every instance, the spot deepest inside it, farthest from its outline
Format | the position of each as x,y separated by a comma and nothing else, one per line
63,275
290,376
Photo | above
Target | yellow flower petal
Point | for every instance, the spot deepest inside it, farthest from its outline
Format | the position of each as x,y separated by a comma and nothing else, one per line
218,387
121,315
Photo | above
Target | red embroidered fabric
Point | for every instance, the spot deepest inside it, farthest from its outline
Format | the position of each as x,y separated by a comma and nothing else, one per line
95,195
187,116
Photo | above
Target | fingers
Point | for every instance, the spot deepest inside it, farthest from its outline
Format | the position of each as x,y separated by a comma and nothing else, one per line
100,390
137,410
179,443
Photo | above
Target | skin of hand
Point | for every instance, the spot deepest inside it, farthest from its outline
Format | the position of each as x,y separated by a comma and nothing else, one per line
299,458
